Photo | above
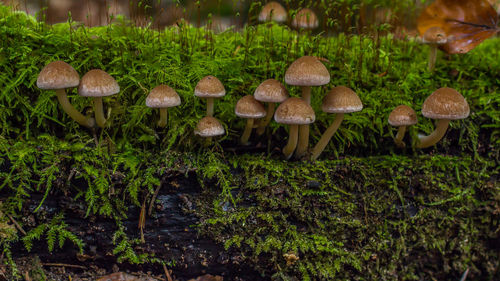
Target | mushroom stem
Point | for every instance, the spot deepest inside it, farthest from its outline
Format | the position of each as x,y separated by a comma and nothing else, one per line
247,132
306,94
269,115
303,141
292,141
304,129
99,112
432,56
71,111
434,137
398,140
163,118
327,135
210,106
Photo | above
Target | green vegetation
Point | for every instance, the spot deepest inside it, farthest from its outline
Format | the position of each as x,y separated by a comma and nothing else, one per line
376,212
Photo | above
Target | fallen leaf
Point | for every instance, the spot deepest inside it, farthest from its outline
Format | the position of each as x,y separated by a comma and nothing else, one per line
467,23
208,277
120,276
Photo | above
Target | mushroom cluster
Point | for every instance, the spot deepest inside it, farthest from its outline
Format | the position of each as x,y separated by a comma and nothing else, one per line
96,83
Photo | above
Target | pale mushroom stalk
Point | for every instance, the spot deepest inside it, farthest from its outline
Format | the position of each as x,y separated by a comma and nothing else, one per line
434,137
292,141
327,135
99,112
432,56
398,140
163,118
210,106
247,132
263,124
62,97
303,143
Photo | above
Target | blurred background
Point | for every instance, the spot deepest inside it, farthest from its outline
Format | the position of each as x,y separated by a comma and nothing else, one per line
348,16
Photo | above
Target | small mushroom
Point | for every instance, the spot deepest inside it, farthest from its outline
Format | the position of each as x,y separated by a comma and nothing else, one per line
163,97
401,117
97,84
434,37
305,19
294,112
445,104
270,91
59,76
248,107
339,100
305,72
209,127
273,11
209,87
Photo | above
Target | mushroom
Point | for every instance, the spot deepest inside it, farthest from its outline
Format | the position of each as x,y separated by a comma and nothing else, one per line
305,72
339,100
445,104
59,76
270,91
401,117
248,107
273,11
162,97
434,37
97,84
294,112
209,87
305,19
209,127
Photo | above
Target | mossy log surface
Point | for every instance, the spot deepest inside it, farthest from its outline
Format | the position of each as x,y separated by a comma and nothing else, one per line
366,210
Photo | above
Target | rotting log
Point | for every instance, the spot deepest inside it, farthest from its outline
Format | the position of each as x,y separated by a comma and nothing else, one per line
170,234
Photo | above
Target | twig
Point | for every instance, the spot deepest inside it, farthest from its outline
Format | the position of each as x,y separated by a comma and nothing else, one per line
16,224
27,276
464,276
142,220
169,278
153,199
64,265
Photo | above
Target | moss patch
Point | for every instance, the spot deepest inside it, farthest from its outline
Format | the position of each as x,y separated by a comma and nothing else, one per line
375,212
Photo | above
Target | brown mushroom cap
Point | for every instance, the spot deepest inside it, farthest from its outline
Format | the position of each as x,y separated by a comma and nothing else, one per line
445,103
209,87
162,96
305,18
249,107
434,35
402,115
341,100
273,11
57,75
98,83
271,91
209,126
294,111
307,71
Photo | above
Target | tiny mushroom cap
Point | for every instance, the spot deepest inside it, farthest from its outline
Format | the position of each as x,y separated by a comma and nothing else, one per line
162,96
307,71
249,107
209,126
294,111
271,90
305,18
434,35
341,100
209,87
98,83
402,115
273,11
57,75
445,103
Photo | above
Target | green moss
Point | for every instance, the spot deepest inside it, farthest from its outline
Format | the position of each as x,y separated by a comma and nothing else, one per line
374,213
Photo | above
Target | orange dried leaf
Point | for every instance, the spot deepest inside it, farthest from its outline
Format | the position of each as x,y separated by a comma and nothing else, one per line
466,22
